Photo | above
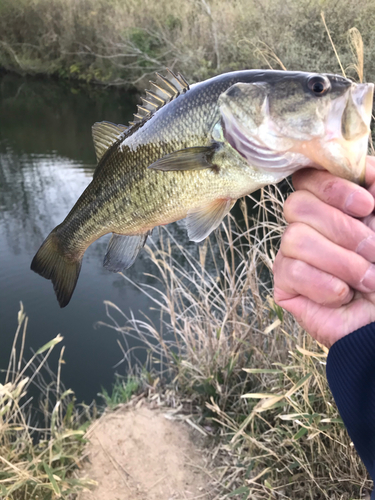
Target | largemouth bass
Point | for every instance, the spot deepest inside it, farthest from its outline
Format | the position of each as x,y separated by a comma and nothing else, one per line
193,151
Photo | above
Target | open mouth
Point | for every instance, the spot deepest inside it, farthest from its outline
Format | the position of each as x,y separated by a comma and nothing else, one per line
356,117
362,96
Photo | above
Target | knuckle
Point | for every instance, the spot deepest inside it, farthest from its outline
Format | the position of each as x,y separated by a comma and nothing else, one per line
292,236
296,271
281,297
337,294
348,231
330,187
291,206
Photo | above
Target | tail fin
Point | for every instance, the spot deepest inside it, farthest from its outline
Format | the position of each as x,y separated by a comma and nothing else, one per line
52,264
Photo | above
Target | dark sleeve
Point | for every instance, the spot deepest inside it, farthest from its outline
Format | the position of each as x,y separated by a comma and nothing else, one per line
351,377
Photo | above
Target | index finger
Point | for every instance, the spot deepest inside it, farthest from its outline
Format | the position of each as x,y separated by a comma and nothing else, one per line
348,197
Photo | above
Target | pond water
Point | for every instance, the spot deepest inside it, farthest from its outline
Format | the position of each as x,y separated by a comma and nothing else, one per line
46,160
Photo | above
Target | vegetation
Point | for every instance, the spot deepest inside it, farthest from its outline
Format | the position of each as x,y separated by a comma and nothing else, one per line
39,448
245,365
251,376
122,390
125,41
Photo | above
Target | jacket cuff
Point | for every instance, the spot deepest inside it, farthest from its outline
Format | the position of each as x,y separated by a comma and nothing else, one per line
351,377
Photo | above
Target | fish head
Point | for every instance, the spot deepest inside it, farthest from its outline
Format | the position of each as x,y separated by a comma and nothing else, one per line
287,120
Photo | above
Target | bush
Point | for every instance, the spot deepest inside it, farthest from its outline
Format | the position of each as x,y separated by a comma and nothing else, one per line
125,41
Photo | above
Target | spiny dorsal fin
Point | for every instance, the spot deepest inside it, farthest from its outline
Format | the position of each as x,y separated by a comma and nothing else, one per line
166,89
104,135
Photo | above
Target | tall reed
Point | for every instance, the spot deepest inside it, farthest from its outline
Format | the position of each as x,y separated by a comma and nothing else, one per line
39,448
245,363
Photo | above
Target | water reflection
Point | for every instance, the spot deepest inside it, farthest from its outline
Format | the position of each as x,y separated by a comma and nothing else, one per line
46,161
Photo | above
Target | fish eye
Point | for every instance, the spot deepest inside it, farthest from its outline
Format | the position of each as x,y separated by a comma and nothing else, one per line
318,85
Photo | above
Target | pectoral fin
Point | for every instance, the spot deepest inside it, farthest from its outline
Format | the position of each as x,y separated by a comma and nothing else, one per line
123,250
203,220
197,158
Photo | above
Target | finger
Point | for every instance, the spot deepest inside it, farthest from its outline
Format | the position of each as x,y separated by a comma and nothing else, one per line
370,174
302,242
294,277
325,324
345,231
369,221
340,193
304,310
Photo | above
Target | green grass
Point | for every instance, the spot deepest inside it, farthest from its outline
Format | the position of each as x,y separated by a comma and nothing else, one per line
122,390
126,41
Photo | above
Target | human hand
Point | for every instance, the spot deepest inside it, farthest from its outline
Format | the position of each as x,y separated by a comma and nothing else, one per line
323,272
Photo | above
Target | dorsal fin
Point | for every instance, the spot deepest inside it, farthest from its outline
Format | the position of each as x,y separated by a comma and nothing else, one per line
104,134
165,89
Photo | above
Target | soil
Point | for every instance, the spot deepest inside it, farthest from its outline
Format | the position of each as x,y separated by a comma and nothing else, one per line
137,453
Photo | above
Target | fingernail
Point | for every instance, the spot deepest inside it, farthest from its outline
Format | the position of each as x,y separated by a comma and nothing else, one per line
367,248
358,204
369,279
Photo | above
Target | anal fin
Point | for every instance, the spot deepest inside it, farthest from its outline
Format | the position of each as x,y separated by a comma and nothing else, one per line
123,250
203,220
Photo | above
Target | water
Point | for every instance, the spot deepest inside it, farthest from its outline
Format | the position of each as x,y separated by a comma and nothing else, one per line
46,160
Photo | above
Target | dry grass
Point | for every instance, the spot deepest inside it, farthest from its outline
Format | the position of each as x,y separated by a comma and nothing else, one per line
38,454
125,41
245,365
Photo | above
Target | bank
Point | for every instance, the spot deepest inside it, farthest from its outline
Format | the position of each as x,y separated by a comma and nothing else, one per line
228,359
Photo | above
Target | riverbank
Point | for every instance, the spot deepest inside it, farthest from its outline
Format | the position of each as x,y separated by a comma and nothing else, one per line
239,368
124,43
146,451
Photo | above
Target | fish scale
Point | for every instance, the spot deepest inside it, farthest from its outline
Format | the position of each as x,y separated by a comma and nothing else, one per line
177,126
191,153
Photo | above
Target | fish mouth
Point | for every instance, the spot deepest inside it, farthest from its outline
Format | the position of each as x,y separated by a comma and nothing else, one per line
349,145
363,96
359,131
356,117
341,150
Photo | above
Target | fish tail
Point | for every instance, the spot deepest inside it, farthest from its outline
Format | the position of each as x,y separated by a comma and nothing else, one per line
51,263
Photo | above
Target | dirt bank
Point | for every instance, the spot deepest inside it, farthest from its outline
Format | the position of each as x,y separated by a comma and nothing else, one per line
138,453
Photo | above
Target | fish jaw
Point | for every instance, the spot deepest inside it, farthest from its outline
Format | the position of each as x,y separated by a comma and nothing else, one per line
340,147
343,148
